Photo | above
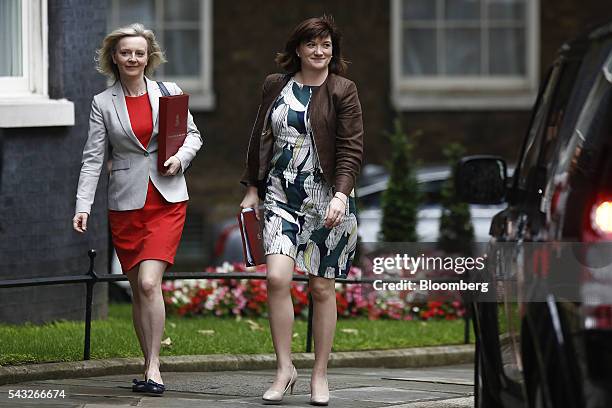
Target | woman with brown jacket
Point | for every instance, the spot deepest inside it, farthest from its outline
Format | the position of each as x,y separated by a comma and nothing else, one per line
303,159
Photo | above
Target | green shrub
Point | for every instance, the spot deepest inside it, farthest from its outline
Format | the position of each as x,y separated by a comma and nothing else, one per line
456,229
401,199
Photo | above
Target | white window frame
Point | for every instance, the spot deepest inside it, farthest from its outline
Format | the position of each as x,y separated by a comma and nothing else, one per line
200,90
24,100
434,93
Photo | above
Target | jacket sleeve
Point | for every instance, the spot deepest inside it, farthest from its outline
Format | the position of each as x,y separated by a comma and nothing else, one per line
251,166
349,140
193,142
93,158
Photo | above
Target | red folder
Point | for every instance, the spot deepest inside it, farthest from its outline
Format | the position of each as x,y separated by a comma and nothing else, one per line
252,238
172,127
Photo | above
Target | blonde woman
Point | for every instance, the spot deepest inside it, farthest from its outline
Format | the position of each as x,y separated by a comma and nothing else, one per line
146,208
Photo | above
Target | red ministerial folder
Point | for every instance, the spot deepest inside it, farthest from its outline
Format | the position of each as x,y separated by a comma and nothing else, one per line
172,127
252,238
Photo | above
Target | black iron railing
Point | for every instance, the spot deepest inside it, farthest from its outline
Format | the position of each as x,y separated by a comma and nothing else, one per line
92,278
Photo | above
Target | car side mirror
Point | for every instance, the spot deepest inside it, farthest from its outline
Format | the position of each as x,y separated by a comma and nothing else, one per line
481,179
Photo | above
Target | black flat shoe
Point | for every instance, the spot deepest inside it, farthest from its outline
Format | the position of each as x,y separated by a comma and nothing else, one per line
154,389
138,385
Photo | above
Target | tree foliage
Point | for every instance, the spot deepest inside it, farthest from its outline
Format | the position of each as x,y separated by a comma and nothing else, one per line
401,199
456,229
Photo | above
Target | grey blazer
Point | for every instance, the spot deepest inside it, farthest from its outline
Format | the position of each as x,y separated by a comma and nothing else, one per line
132,164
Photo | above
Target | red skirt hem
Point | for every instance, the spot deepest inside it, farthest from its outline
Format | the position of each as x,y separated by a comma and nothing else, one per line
170,262
151,232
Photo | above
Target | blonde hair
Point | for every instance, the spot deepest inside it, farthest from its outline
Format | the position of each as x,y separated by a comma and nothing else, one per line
104,59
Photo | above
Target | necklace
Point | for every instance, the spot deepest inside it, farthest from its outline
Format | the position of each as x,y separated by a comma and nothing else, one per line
128,92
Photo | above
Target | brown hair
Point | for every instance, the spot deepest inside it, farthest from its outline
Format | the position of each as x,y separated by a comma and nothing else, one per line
105,64
318,27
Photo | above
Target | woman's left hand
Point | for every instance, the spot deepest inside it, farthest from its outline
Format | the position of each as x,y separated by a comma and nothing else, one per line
334,214
172,165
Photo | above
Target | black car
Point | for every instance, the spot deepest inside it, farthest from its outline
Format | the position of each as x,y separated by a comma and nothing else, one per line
537,345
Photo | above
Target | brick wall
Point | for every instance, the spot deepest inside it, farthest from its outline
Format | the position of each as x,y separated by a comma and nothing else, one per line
501,133
247,35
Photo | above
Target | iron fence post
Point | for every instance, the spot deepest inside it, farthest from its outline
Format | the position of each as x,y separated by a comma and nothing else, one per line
468,304
309,329
88,303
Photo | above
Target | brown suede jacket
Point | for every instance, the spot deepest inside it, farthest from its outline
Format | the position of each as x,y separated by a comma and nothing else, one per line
335,117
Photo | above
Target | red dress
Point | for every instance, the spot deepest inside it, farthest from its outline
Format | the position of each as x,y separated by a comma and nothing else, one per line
154,231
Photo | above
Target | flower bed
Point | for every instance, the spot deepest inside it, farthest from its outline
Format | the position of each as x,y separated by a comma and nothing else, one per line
248,297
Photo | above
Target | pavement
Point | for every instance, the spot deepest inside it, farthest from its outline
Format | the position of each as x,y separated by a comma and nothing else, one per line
425,387
430,377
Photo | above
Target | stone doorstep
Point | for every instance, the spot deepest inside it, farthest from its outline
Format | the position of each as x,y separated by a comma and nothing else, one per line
397,358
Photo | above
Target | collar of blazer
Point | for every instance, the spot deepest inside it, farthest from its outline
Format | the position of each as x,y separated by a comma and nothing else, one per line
153,92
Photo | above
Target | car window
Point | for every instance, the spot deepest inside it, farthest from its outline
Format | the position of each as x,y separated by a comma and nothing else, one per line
554,119
431,195
530,154
593,112
557,118
368,201
432,191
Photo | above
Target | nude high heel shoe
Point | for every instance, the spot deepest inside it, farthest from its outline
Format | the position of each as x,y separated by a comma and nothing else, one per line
273,396
321,400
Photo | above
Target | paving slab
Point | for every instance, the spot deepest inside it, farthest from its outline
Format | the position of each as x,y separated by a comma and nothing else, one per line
467,402
354,387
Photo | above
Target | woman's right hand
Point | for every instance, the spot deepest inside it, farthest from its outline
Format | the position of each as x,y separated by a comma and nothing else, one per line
79,222
251,200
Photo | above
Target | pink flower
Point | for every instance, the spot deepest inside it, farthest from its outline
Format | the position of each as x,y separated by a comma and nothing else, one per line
248,297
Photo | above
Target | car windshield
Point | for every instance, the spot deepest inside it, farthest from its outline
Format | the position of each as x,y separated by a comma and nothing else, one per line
374,181
371,197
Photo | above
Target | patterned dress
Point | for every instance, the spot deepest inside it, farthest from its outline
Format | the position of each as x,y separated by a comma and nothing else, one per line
297,196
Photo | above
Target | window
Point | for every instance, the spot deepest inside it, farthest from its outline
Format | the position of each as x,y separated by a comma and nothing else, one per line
527,167
457,54
11,46
184,31
24,100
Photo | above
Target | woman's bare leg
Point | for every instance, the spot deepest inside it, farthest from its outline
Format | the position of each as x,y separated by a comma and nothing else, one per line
153,311
280,310
137,315
323,293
